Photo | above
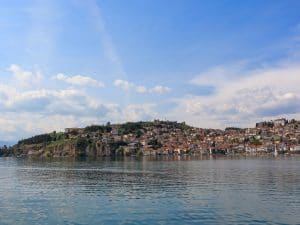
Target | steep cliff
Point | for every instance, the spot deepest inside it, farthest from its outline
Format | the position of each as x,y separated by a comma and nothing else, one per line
76,147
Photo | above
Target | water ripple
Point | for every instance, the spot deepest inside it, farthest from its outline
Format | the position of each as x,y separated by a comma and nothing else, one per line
150,192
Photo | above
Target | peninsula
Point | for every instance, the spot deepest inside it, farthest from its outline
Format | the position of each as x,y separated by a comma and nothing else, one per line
160,138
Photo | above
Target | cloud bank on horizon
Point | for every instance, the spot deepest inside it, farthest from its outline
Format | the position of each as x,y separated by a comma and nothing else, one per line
76,63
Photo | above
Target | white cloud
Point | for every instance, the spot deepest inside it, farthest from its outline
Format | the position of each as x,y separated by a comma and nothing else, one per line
141,89
24,113
218,75
133,112
160,89
28,112
243,97
38,111
127,86
79,80
28,124
23,77
124,84
139,112
23,124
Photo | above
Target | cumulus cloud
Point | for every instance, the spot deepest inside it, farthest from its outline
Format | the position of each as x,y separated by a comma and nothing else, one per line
124,84
219,74
79,80
23,77
160,89
127,86
29,123
28,112
140,89
25,113
38,109
49,102
242,97
139,112
57,110
133,112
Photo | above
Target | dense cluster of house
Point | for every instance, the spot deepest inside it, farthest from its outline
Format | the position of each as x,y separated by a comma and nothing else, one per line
167,137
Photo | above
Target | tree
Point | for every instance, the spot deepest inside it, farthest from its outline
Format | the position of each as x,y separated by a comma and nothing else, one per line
38,139
81,146
155,143
139,133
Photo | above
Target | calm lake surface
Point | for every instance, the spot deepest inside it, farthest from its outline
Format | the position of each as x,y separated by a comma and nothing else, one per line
151,191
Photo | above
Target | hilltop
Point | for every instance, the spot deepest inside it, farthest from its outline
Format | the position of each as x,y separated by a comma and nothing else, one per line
161,137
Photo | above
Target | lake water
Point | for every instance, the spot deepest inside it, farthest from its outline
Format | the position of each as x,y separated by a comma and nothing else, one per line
150,191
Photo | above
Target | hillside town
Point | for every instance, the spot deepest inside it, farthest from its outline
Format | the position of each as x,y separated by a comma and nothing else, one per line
280,136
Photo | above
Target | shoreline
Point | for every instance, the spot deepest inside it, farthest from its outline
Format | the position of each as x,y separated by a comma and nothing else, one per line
162,157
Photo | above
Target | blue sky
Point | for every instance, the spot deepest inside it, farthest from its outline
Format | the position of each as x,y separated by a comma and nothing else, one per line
209,63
